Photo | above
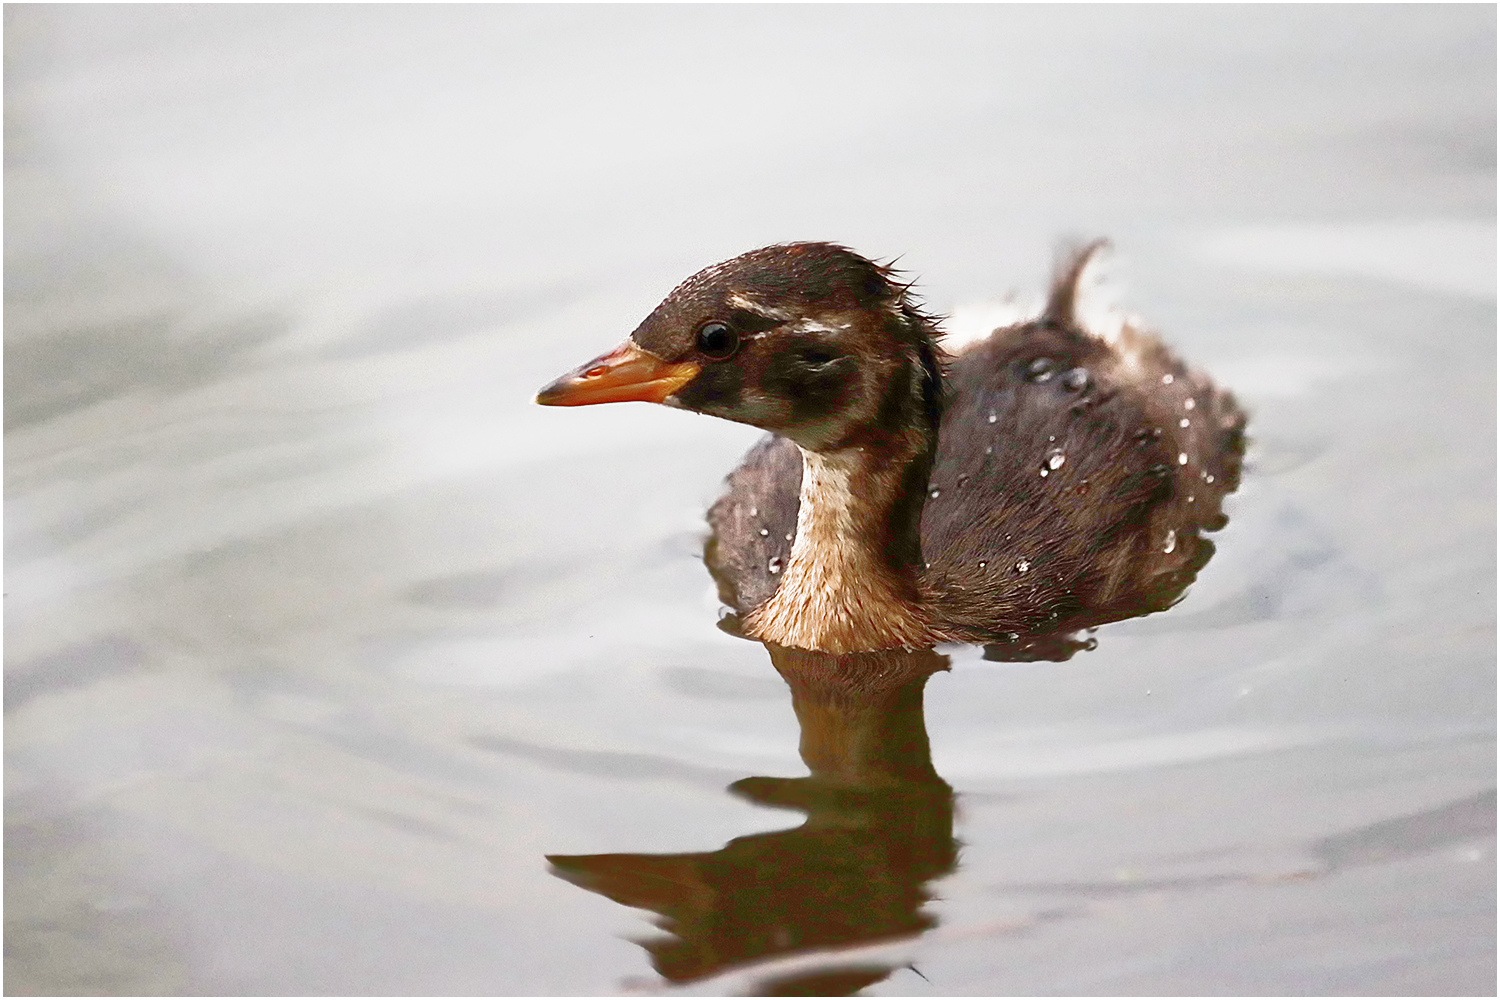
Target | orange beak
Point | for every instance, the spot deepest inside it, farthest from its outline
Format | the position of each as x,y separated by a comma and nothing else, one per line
623,375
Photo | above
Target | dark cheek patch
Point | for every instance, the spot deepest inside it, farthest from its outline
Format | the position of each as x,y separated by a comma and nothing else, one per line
720,387
814,394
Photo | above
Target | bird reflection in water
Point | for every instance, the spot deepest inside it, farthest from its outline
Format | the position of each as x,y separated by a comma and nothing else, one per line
879,827
879,824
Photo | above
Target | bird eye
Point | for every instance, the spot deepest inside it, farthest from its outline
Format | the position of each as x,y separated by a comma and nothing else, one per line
816,359
717,340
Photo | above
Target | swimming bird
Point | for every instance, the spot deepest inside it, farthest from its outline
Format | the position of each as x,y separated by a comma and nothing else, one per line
1041,480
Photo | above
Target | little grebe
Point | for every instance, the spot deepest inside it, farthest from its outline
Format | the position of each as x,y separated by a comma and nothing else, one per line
1041,480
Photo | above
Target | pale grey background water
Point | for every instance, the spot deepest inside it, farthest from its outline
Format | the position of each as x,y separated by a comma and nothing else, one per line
320,635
